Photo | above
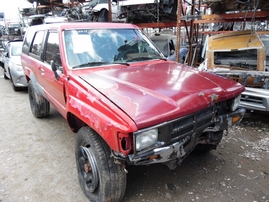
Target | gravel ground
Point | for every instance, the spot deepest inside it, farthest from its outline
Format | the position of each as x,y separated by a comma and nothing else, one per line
37,162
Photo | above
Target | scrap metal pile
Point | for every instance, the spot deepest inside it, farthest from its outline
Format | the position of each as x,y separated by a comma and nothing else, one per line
141,11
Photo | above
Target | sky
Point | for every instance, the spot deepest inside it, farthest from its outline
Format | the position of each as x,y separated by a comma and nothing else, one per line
10,7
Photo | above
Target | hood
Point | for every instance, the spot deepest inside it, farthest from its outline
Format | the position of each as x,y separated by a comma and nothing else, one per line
160,91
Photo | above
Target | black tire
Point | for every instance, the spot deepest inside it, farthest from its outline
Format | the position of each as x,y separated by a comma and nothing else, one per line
201,149
39,105
103,16
100,178
5,74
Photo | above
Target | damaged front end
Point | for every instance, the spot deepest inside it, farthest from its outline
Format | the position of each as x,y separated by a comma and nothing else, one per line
171,142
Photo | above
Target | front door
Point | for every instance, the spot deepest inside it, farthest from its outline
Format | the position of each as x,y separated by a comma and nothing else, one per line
55,89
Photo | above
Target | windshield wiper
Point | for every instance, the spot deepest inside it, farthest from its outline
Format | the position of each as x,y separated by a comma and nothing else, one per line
91,64
100,63
140,59
121,63
144,58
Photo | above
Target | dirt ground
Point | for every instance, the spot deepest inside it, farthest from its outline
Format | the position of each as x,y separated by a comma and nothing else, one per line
37,162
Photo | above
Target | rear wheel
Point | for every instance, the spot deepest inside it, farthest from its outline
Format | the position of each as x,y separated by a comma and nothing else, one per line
39,105
100,178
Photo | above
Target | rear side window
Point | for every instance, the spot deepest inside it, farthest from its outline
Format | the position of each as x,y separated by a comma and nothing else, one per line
52,51
36,47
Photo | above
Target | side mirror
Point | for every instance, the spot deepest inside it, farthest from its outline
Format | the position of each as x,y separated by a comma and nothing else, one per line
54,69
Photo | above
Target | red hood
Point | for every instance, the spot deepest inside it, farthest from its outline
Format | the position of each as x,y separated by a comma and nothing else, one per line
160,91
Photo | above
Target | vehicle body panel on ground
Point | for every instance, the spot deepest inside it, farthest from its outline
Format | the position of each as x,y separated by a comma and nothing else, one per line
242,56
127,102
12,65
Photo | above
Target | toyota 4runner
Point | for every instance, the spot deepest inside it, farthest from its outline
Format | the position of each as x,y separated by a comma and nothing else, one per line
128,104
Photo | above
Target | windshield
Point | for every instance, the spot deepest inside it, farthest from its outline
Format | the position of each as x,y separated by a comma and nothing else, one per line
87,47
16,49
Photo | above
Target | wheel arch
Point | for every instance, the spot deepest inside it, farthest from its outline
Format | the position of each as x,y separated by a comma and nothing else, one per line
37,87
110,133
74,122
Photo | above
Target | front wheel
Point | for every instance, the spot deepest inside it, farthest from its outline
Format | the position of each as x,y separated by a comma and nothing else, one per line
5,74
15,88
100,178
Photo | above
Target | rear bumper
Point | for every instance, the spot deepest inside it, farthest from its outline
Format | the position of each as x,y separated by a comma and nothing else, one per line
255,99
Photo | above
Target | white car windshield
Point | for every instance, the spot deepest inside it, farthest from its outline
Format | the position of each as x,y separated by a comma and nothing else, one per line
88,47
16,49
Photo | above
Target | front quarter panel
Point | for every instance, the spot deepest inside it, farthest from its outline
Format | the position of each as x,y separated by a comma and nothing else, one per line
98,112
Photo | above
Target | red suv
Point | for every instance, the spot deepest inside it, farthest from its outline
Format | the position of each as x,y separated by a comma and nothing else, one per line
128,104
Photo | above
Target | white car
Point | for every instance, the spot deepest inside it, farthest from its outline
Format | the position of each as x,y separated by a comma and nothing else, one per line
12,65
99,11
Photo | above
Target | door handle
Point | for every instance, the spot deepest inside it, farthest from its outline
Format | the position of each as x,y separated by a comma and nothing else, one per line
42,72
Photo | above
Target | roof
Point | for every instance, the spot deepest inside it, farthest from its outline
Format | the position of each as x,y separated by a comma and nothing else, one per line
84,25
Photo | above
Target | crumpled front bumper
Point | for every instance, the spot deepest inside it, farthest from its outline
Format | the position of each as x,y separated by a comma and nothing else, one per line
177,151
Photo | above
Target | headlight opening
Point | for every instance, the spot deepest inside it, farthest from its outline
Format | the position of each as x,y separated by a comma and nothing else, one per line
146,139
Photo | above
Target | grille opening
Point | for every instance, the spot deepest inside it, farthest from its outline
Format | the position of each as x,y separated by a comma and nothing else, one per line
186,126
247,98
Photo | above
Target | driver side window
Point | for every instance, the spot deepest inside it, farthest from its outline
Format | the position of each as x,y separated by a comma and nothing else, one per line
52,51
